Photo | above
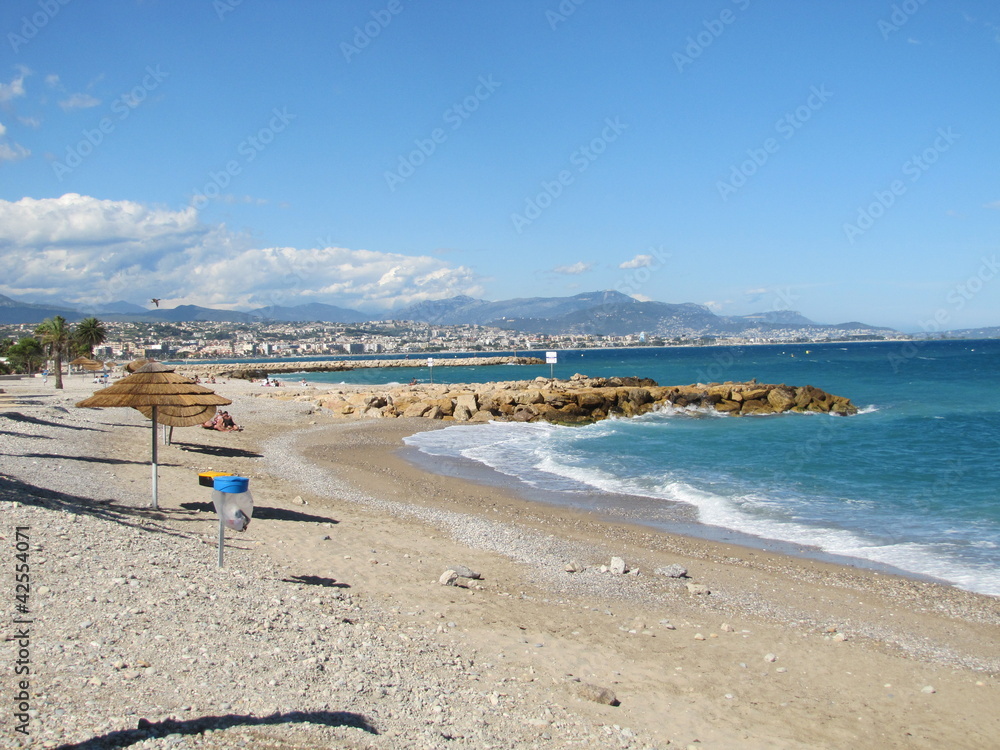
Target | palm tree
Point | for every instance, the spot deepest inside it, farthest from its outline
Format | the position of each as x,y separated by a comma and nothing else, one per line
89,332
55,337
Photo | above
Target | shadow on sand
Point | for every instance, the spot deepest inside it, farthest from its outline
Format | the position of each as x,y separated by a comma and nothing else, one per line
16,490
218,450
330,583
264,513
16,416
148,730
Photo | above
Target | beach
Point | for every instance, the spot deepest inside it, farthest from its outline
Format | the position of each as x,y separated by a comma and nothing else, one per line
330,627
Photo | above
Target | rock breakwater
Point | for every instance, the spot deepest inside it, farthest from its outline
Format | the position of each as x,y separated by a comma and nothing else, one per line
579,400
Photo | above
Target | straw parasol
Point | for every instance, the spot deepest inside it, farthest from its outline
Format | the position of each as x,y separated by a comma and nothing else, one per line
80,361
156,386
179,416
135,364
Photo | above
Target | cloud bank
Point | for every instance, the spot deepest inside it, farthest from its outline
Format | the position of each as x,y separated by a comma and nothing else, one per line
85,251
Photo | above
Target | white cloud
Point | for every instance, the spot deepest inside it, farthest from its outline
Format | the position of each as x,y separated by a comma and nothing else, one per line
639,261
575,269
993,204
86,251
79,101
52,80
30,122
13,152
8,151
12,90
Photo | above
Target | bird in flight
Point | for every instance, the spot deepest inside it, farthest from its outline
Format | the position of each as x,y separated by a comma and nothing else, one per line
155,301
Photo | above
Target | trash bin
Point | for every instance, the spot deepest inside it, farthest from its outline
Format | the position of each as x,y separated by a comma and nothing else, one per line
233,501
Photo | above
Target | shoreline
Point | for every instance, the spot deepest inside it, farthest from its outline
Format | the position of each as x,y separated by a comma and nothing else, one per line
348,542
685,524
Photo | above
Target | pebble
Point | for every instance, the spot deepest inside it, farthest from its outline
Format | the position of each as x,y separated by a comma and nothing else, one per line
617,566
698,589
770,657
928,689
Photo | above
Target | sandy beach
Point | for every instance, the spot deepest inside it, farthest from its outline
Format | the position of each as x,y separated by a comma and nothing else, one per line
329,626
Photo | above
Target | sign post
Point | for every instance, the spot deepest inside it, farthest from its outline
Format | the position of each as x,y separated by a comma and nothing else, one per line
430,366
551,358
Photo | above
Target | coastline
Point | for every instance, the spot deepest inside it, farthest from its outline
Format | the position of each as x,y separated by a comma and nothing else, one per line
376,532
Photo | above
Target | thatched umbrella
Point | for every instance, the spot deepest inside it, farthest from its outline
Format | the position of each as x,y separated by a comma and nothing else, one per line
81,362
135,364
155,386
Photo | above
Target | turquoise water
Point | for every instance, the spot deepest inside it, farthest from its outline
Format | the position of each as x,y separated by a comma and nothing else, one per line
910,482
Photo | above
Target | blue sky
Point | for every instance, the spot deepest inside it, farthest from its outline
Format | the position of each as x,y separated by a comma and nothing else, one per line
838,159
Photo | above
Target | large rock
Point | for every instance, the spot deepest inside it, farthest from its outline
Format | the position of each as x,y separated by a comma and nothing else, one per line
781,398
468,400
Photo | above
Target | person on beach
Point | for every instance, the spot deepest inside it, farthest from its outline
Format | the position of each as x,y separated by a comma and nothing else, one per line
45,376
227,424
214,421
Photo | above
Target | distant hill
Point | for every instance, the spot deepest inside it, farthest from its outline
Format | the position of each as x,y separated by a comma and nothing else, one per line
13,311
603,313
315,311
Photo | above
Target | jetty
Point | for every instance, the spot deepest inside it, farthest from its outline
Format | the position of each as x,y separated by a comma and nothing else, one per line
260,370
579,400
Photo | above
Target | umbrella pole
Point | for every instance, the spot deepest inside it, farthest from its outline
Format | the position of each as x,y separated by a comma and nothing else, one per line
155,503
222,541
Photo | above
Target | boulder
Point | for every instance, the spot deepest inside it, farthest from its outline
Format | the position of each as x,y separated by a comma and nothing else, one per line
462,413
617,566
418,409
781,398
468,400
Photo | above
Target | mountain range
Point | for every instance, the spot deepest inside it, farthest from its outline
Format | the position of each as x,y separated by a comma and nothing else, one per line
598,313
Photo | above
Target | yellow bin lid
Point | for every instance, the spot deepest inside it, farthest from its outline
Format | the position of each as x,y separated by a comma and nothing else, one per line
207,478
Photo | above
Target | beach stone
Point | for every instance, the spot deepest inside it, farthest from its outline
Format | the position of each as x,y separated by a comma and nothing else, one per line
573,567
297,500
672,571
461,413
464,572
617,566
770,658
597,694
928,689
698,589
448,578
726,628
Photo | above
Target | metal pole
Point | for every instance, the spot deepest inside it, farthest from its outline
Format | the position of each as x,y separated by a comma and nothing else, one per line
222,541
155,500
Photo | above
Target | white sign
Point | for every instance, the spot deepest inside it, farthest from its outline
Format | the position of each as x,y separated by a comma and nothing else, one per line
430,361
551,358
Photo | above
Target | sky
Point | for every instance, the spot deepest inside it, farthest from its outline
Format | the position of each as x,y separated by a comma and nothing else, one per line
839,159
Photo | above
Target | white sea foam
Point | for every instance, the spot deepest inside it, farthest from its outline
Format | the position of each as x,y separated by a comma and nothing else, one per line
538,455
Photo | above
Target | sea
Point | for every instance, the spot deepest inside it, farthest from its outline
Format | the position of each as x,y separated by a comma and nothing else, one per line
910,484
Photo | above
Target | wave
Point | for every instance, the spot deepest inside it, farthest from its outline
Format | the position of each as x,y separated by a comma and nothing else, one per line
577,462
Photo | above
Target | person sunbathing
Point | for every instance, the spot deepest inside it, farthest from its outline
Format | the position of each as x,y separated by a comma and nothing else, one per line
227,424
214,422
